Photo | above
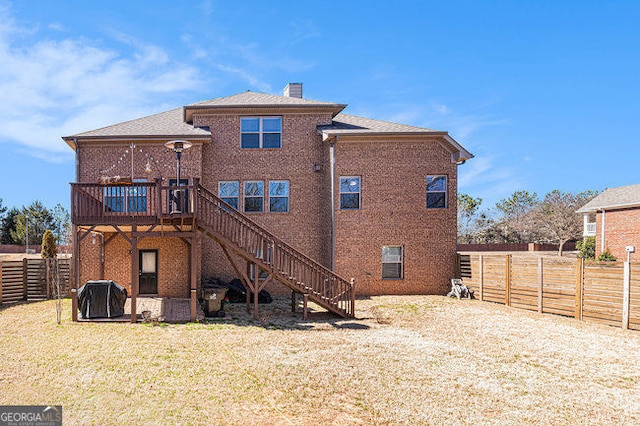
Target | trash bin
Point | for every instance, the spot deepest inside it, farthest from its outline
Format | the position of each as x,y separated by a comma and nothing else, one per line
213,301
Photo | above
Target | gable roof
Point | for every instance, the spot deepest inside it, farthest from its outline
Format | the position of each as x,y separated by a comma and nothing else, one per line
175,123
614,198
352,125
165,124
257,100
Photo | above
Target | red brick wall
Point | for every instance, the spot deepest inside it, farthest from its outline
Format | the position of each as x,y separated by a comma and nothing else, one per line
393,204
622,228
393,212
114,158
306,224
110,159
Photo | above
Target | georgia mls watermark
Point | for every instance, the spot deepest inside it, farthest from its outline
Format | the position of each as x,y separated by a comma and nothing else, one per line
30,415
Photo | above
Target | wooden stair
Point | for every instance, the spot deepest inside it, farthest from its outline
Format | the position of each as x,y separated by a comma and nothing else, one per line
238,234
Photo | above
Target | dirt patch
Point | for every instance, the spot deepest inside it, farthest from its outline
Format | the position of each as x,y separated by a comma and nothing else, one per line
405,360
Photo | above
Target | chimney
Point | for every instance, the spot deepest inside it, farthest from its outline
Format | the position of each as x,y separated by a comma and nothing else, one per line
293,90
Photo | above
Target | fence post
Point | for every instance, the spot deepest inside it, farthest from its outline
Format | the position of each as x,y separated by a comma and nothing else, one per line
481,273
25,278
0,282
579,283
507,281
626,293
540,282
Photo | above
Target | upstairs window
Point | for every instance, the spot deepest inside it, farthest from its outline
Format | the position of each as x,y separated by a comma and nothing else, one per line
279,196
349,192
254,196
392,262
436,192
229,192
261,132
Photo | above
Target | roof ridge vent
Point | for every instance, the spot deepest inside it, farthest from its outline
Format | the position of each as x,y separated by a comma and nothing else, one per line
293,90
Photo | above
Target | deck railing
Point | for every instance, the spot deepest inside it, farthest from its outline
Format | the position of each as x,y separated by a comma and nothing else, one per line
129,203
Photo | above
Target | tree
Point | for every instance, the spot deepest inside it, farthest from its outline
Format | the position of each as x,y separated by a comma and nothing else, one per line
8,225
556,218
516,225
3,210
467,217
39,220
61,224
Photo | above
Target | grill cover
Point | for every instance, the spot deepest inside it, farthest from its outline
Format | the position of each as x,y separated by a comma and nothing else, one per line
101,299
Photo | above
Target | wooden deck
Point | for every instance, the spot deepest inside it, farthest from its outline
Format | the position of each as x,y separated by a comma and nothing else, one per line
139,209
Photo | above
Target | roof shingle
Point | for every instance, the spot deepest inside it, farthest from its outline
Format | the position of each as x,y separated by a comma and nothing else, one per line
168,123
614,198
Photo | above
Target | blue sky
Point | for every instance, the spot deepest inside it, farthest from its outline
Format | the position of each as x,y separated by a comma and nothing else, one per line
545,94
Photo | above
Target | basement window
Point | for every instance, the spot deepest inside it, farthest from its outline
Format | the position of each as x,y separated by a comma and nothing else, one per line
392,262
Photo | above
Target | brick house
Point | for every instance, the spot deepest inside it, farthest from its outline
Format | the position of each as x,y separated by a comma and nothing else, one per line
613,217
288,187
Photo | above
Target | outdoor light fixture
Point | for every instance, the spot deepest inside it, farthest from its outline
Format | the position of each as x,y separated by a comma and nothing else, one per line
177,146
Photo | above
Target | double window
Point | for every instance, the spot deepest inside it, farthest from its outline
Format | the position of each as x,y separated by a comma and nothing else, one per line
436,192
261,132
392,262
253,195
349,192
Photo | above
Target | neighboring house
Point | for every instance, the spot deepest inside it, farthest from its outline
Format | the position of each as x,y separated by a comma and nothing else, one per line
613,217
308,191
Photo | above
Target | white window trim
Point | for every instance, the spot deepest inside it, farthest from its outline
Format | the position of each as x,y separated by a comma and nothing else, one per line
288,197
446,191
261,131
229,181
401,262
244,196
359,192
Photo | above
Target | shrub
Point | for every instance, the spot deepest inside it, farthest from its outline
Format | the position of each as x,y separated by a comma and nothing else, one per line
587,248
49,249
607,256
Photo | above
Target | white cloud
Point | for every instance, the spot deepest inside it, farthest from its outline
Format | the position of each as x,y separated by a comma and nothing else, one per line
52,88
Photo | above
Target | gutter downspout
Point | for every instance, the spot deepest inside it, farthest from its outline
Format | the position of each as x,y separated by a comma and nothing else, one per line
602,242
75,142
332,172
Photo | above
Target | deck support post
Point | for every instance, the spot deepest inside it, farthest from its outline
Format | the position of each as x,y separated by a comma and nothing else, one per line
293,302
74,305
135,273
194,284
256,277
305,301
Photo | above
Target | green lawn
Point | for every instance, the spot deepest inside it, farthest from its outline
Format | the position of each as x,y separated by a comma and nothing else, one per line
408,360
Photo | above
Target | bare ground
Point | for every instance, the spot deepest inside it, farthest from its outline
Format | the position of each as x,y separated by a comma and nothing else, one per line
407,360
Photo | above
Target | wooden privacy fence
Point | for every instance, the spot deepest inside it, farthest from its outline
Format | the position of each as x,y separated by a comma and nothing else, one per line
26,279
604,292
